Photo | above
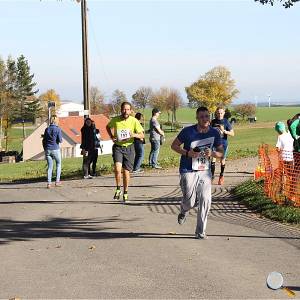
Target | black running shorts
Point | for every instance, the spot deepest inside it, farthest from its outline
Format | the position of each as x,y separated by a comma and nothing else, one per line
124,155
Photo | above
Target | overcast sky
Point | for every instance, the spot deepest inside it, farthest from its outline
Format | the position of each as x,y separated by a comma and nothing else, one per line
156,43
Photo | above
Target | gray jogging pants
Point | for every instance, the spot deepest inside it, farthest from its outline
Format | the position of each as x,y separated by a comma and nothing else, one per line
196,186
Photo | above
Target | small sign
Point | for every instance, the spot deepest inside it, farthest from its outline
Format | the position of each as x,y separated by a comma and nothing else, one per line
51,104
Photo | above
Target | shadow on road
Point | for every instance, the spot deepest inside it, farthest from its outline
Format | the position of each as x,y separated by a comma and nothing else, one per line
93,229
16,230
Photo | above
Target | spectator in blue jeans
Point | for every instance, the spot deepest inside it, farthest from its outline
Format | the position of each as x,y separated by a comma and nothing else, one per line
139,149
155,137
51,140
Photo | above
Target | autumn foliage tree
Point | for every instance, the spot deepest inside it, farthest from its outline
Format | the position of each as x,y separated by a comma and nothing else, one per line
214,88
173,102
117,98
96,101
245,110
159,99
141,98
52,96
6,99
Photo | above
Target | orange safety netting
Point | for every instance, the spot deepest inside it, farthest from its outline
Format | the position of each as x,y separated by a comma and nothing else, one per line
281,173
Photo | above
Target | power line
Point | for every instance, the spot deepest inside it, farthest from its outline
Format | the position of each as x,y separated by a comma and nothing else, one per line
100,58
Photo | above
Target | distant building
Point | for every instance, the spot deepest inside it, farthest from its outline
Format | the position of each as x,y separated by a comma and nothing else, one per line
68,109
70,147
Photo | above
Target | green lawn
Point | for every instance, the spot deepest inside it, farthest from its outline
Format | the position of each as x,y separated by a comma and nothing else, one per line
184,114
15,138
245,143
274,114
264,114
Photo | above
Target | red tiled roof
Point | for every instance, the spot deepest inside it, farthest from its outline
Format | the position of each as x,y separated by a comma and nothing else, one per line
71,126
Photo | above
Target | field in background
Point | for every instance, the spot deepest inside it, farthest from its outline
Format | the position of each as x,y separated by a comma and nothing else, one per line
245,143
16,138
264,114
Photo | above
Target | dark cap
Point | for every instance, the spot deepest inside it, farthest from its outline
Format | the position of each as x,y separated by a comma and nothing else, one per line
155,111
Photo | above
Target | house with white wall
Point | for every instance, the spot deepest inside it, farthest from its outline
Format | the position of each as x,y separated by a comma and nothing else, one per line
71,134
67,109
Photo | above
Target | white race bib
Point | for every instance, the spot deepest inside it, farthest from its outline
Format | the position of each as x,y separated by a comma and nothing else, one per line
200,163
123,134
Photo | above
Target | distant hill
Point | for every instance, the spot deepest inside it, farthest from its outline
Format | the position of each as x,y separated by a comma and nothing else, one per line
266,104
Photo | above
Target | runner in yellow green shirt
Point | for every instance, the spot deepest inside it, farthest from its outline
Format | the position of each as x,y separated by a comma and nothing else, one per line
122,130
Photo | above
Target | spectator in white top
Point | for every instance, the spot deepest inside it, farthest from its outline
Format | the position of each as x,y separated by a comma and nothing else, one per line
284,142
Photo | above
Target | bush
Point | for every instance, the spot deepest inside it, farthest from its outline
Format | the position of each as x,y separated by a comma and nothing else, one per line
251,194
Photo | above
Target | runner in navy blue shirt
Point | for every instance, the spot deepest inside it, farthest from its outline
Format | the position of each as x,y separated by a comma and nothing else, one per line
225,129
200,142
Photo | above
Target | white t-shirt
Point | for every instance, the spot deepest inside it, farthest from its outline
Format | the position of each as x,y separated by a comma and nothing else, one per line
285,144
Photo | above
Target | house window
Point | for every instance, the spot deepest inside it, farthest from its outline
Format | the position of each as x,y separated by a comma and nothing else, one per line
75,131
73,113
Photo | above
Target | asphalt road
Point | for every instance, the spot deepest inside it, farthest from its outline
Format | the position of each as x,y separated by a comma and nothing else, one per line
76,242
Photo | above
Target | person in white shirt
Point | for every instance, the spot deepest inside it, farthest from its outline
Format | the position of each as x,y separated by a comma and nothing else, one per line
284,142
285,147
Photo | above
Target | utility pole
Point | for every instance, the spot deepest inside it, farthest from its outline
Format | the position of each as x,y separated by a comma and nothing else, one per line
269,100
85,67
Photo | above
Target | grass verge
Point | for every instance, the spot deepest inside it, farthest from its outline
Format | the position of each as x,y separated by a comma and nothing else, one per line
251,194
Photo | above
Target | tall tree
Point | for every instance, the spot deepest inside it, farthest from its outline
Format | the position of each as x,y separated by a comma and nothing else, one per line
214,88
24,90
8,96
245,110
33,108
3,93
173,102
285,3
159,99
141,97
49,96
117,98
96,101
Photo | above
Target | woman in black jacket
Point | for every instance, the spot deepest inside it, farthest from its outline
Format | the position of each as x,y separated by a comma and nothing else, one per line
87,146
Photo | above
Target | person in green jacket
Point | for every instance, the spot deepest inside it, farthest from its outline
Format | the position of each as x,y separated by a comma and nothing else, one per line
294,128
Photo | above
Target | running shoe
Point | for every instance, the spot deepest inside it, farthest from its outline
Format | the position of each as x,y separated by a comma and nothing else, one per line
139,171
117,194
88,177
221,180
181,218
157,167
200,236
125,197
49,186
58,184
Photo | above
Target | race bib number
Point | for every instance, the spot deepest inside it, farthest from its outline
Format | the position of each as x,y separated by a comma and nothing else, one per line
123,134
200,163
